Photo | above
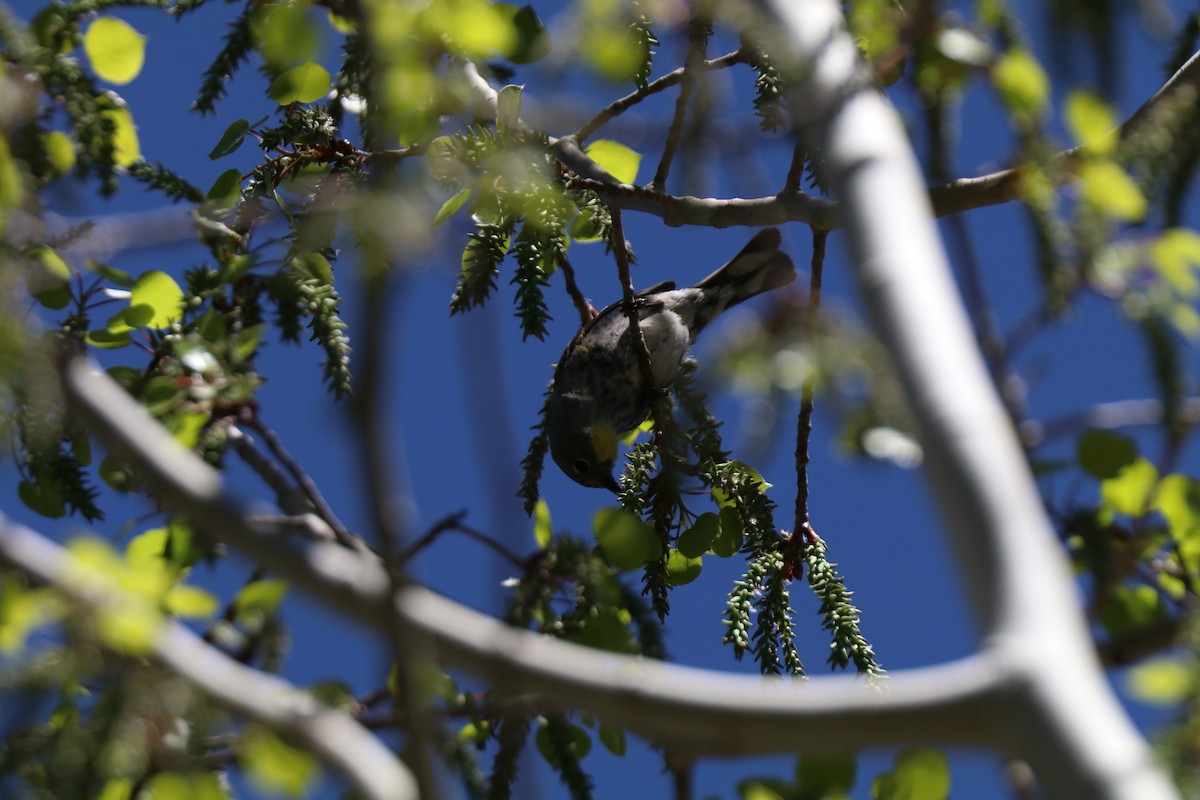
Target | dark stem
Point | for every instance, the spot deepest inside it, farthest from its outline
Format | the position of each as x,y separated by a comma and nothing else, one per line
618,107
693,63
804,422
586,312
454,522
796,169
629,301
306,484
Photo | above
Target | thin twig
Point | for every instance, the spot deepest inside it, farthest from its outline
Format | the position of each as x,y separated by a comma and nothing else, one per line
804,421
454,522
693,62
796,168
586,312
629,303
618,107
306,484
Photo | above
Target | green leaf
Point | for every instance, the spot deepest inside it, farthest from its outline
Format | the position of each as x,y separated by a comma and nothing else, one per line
696,540
127,150
472,28
1103,454
825,774
508,109
231,140
191,602
1130,492
1107,187
160,294
121,788
451,207
264,595
616,159
627,541
189,786
1131,608
613,739
55,298
315,266
306,83
60,152
42,497
605,630
107,340
920,773
580,743
113,275
615,52
115,48
1178,500
586,226
682,570
1176,255
275,766
1092,123
1022,83
475,732
116,475
729,539
542,531
225,191
1164,680
532,39
248,339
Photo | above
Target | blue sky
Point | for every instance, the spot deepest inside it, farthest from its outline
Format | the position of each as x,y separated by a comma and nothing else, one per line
878,520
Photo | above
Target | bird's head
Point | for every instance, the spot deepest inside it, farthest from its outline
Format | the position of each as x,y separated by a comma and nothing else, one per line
583,447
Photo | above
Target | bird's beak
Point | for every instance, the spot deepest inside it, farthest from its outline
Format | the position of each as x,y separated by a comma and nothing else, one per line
611,484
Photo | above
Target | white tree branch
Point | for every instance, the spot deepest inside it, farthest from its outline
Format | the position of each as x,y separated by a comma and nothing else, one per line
294,714
1066,722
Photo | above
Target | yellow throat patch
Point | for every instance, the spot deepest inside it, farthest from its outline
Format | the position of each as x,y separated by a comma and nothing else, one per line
604,443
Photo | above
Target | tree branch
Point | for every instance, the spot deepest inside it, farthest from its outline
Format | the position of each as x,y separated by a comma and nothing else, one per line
1065,721
366,763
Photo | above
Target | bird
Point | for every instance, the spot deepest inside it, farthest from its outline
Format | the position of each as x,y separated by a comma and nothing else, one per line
599,391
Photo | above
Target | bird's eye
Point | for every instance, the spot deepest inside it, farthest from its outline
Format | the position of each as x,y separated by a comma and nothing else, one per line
581,465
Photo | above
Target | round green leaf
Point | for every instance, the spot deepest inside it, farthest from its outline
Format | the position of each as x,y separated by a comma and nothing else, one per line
263,596
1103,454
315,266
1131,608
628,543
696,540
108,340
1022,83
1091,121
306,83
225,190
822,775
42,497
60,151
613,739
605,630
117,475
1130,492
532,41
1163,681
921,773
159,293
615,158
274,765
729,540
127,150
1107,187
681,569
191,602
115,49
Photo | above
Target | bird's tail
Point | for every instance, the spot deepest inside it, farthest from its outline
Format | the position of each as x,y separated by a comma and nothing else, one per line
760,267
